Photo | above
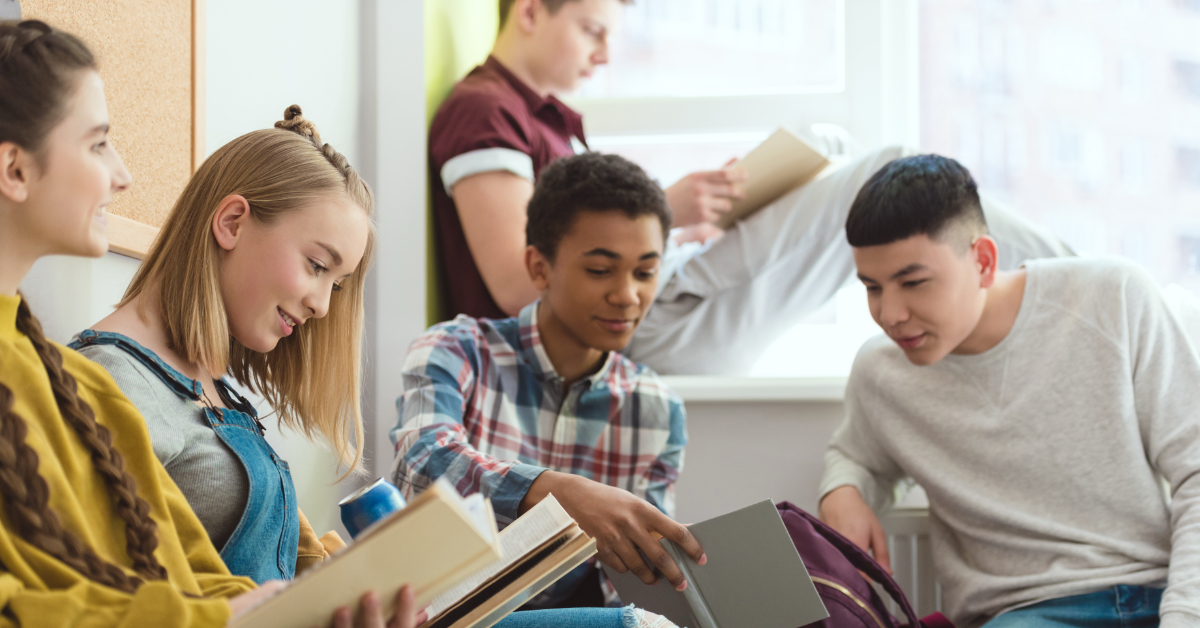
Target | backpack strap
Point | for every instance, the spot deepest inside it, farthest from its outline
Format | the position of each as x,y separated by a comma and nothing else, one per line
860,559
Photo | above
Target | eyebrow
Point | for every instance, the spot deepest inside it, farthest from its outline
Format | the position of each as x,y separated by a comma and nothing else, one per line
99,128
907,270
337,257
603,252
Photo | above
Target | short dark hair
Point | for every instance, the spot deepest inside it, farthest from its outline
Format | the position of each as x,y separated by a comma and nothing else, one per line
590,182
918,195
551,5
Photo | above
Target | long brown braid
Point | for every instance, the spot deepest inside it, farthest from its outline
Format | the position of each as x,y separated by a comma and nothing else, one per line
27,493
40,67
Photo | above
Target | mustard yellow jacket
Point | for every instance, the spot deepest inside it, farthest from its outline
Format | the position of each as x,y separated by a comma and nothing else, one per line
38,590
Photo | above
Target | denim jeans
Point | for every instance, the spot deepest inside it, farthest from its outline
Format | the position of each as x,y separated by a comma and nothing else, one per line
1122,606
572,618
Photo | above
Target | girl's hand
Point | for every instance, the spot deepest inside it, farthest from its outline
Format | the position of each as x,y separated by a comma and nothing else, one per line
245,601
370,614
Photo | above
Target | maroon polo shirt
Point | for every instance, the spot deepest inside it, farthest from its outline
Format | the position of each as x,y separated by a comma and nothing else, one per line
491,121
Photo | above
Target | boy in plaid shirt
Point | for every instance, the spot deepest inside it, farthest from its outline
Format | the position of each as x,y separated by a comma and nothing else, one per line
543,403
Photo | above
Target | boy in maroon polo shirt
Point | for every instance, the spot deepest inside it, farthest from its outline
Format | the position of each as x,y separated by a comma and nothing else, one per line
720,304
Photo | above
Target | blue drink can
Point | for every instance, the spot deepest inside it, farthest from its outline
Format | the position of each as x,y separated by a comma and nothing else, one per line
370,504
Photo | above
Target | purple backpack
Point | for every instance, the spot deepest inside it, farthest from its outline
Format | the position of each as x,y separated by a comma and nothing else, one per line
834,562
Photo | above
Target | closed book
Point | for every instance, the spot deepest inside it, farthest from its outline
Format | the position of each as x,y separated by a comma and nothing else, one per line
753,577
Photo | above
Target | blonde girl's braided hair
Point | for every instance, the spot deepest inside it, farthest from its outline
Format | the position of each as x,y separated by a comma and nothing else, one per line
39,69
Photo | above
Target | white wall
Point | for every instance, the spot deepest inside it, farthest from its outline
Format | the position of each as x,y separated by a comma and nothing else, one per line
742,452
69,294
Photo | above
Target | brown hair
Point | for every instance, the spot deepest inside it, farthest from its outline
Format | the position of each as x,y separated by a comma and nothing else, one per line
27,495
39,67
551,5
312,378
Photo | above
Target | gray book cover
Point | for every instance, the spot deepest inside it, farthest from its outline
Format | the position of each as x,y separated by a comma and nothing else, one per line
753,578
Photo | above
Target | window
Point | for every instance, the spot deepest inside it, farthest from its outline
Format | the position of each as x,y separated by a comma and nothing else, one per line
1080,114
1093,132
724,48
693,83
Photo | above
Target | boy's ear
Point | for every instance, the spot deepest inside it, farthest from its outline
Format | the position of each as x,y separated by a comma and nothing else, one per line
538,267
230,220
524,14
987,259
15,171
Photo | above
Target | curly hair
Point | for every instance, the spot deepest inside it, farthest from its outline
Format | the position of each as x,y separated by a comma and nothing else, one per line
590,182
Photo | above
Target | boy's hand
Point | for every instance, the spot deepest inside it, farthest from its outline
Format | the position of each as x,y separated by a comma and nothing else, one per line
703,196
621,524
844,510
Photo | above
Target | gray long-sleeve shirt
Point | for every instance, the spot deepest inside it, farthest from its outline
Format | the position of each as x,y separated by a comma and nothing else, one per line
1041,456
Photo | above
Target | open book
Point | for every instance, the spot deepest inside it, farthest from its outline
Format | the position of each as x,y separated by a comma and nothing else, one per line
434,543
753,577
536,550
782,163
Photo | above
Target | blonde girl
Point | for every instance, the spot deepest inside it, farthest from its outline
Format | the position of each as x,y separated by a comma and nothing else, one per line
93,531
258,272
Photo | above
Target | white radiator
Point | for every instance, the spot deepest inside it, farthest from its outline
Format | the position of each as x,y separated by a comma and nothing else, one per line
912,560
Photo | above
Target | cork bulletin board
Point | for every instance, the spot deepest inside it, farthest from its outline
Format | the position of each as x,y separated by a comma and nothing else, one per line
151,56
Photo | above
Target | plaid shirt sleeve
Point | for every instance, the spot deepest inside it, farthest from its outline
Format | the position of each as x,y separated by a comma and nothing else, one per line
660,491
430,436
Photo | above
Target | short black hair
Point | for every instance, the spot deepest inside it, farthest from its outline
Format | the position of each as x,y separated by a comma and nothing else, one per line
590,182
918,195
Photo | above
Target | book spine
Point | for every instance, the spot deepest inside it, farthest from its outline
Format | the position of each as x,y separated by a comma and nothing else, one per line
693,595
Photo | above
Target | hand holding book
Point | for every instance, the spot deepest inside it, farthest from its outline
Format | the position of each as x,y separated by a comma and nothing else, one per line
704,196
621,524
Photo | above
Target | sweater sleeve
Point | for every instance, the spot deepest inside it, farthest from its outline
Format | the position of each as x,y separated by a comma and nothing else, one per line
855,456
1166,369
87,604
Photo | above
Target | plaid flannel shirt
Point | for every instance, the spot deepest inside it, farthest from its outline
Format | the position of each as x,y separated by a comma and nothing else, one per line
483,407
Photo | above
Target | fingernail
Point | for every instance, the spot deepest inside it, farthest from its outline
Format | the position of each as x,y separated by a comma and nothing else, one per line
703,559
682,586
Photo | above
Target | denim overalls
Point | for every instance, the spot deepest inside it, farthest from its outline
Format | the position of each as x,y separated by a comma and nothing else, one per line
263,545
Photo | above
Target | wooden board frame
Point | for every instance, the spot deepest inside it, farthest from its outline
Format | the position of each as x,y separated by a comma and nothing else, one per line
130,237
127,233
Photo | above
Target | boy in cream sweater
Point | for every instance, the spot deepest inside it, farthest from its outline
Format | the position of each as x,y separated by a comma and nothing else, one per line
1039,409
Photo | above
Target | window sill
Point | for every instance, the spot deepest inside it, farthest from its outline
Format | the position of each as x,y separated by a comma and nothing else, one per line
695,388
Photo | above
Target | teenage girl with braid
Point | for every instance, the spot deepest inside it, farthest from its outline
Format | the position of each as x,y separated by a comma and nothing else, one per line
92,529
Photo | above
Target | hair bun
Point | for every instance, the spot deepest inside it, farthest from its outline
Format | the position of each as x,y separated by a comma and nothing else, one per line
294,121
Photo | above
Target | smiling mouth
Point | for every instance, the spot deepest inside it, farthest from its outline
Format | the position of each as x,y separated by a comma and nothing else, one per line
286,322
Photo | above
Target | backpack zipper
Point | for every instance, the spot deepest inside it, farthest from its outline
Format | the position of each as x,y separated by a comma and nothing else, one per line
844,591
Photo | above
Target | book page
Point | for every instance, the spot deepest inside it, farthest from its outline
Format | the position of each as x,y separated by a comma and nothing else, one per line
541,524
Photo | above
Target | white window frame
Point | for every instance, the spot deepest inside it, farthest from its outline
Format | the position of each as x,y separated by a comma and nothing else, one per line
878,103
